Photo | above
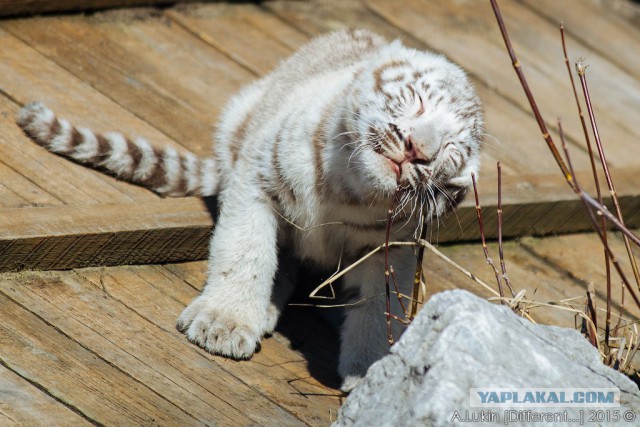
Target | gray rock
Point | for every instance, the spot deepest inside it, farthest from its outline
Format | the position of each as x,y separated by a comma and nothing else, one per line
460,341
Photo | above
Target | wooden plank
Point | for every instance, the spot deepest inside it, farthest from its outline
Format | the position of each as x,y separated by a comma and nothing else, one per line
629,11
58,238
273,26
100,391
223,27
173,230
550,269
539,205
468,33
598,26
542,277
10,199
71,247
192,273
300,328
68,303
16,191
189,69
27,76
24,404
129,342
177,83
274,371
21,7
440,276
582,256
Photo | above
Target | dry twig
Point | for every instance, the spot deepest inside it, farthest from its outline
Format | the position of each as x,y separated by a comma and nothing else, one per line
485,249
596,179
503,266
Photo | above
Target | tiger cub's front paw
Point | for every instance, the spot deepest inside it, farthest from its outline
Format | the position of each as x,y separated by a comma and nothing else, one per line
221,329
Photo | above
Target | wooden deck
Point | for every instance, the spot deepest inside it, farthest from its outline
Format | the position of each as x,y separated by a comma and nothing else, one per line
97,345
166,74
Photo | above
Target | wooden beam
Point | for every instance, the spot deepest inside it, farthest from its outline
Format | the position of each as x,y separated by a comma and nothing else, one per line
171,230
59,238
538,205
34,7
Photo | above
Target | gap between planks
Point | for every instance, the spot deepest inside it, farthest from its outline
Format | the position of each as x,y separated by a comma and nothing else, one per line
32,7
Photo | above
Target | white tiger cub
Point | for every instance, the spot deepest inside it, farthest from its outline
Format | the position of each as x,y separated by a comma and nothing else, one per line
307,160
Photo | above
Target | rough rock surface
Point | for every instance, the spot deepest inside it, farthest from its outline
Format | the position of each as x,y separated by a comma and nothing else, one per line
460,341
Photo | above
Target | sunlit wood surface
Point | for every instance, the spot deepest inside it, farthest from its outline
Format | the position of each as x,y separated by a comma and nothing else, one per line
98,344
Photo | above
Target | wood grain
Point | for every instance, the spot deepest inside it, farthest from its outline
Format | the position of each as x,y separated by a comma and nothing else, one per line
583,256
550,270
600,28
228,48
24,404
125,316
99,390
56,180
68,237
121,314
225,28
26,76
178,372
16,191
176,83
273,371
99,344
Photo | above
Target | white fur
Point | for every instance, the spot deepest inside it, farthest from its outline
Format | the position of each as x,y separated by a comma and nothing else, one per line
89,146
281,115
60,142
306,163
118,159
171,162
191,172
209,177
35,119
148,160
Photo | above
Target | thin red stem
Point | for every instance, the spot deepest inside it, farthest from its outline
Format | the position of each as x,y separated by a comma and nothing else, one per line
485,249
585,198
591,303
395,285
594,126
532,102
387,270
588,200
596,180
417,278
503,266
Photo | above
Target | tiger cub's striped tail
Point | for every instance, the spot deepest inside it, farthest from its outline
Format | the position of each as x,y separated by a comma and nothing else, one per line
164,171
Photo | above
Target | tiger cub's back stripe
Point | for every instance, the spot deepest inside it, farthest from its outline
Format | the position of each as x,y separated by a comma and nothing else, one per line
165,171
